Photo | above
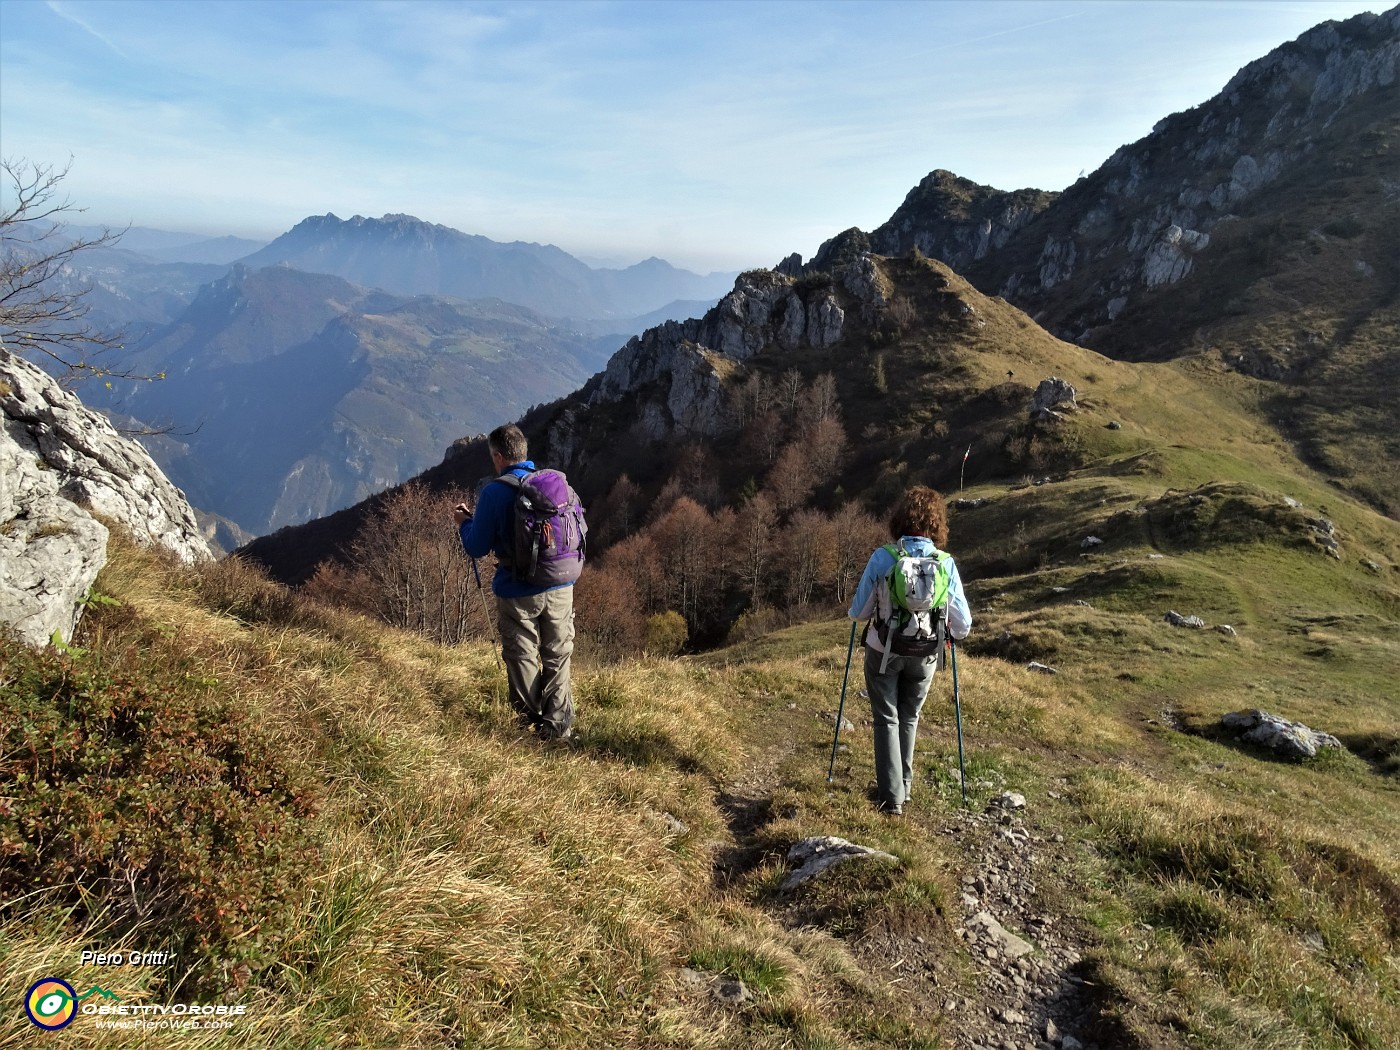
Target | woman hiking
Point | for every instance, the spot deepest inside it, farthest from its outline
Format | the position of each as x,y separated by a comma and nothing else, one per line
913,596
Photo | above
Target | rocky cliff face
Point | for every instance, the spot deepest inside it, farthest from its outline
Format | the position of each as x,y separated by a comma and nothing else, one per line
61,467
672,376
956,220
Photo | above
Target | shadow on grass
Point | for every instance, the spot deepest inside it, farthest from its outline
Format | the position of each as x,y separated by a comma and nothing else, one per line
1377,750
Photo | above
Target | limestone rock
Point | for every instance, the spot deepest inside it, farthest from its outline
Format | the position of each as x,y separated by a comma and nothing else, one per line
1291,739
812,856
61,463
1177,620
1002,939
1052,396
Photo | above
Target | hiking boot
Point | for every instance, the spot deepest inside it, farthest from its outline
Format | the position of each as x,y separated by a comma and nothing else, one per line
550,735
891,809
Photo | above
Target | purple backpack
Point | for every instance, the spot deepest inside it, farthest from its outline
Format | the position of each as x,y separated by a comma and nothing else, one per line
549,529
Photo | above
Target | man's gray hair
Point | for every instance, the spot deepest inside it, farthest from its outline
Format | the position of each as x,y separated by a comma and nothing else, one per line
510,442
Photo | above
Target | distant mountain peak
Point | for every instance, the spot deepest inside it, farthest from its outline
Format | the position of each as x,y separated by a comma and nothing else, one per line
405,255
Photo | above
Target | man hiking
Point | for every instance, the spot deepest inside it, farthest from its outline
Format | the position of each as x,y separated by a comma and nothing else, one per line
535,620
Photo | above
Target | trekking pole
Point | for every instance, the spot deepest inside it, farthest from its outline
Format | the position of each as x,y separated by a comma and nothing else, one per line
957,711
842,706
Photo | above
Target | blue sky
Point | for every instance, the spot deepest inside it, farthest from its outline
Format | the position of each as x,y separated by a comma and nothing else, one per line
717,135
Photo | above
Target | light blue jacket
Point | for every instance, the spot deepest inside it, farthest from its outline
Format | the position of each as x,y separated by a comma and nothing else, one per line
877,569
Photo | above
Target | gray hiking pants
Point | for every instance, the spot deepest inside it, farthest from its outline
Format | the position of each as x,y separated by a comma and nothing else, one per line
537,639
896,698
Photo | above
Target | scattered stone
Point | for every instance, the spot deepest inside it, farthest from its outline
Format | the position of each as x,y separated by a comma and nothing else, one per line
1008,800
1114,425
1081,601
812,856
1036,665
674,824
1004,942
1225,628
1156,557
1291,739
1291,502
792,707
1177,620
693,982
1371,565
1071,1043
830,716
731,991
969,504
728,990
1059,590
1090,541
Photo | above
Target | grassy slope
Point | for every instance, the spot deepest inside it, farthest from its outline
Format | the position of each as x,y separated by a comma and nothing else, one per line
473,890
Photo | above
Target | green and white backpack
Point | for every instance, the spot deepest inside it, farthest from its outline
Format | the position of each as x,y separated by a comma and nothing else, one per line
911,608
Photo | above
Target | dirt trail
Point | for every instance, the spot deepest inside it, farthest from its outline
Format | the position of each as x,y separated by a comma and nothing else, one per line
1031,987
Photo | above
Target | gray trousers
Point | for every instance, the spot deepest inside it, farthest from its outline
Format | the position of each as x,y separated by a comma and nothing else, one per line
537,639
896,698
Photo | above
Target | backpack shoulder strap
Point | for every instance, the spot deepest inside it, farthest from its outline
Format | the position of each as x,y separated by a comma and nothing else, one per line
512,479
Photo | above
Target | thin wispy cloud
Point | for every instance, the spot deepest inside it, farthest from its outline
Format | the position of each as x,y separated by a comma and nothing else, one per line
66,12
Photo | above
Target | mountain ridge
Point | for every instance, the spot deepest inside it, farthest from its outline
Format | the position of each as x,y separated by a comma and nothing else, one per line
408,256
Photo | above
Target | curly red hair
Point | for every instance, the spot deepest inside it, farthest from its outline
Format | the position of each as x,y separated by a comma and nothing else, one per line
921,512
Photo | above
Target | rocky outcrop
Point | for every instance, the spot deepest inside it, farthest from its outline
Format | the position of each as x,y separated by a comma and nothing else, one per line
956,220
1053,397
674,374
61,467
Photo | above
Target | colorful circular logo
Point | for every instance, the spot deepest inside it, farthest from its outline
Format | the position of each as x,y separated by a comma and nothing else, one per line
51,1003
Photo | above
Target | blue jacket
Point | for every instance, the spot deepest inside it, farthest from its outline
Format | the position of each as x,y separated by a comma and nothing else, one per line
491,529
878,568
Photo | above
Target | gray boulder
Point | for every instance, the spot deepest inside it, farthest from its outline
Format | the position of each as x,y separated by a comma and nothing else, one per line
1053,397
60,465
1291,739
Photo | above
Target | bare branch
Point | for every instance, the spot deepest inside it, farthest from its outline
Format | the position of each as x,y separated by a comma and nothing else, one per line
43,302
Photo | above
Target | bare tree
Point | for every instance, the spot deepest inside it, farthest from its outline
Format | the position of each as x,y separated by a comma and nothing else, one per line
753,543
690,549
619,513
855,535
826,449
412,571
790,390
820,400
43,308
810,548
610,611
791,480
